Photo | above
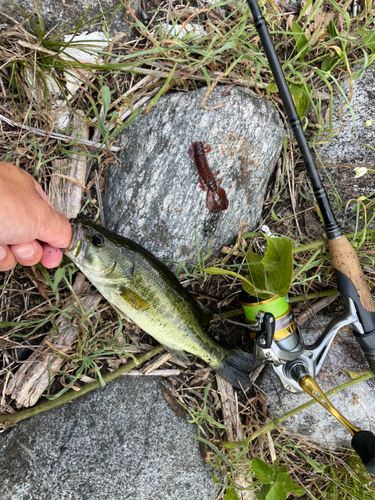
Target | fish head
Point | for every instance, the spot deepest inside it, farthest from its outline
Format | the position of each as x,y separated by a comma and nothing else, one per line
101,255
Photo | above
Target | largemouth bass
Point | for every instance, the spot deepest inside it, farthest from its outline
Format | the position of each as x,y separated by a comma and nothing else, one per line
142,288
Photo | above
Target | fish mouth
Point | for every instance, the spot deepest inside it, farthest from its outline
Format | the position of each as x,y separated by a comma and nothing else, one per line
75,247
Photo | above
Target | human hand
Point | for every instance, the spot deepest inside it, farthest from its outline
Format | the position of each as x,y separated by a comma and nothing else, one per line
31,230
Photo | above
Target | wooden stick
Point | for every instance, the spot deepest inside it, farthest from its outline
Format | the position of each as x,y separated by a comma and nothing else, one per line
230,409
314,308
234,430
66,195
56,135
34,375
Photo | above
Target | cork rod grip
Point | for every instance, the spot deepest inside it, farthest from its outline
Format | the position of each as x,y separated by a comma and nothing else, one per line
345,260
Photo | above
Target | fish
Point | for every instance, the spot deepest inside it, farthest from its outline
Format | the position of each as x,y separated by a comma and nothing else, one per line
143,289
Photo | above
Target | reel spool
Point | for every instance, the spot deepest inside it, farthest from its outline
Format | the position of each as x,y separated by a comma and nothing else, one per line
286,333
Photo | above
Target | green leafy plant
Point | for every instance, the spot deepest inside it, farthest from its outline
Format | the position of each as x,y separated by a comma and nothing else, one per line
269,276
274,482
103,126
301,40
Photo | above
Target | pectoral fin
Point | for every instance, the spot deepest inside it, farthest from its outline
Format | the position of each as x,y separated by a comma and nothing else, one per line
206,314
133,299
181,355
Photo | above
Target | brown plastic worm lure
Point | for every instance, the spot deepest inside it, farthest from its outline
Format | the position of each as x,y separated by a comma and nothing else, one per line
216,197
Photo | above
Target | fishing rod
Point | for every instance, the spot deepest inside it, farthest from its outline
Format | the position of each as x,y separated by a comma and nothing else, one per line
279,341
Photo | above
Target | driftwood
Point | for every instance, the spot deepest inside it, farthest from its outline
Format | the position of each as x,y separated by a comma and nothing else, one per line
231,415
235,431
68,180
154,365
33,377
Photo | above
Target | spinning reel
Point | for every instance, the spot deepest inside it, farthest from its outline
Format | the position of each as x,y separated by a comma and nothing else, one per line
278,342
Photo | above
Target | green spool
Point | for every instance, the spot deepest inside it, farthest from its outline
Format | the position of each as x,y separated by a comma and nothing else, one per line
278,306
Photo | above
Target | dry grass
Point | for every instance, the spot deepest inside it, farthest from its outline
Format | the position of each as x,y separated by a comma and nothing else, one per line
138,72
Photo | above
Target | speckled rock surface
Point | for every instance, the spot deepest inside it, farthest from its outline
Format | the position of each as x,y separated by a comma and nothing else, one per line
290,5
119,442
153,196
356,403
348,150
55,14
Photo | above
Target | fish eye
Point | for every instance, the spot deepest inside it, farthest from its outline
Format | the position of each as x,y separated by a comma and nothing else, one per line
97,240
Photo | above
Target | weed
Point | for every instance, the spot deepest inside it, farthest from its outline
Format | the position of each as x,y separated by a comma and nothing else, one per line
274,482
321,48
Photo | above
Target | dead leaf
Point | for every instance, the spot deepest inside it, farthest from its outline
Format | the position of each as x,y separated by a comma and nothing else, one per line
353,375
171,400
355,400
227,250
318,24
75,387
57,349
203,451
114,363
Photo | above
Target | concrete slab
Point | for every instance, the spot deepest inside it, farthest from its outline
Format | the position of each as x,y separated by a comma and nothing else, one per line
119,442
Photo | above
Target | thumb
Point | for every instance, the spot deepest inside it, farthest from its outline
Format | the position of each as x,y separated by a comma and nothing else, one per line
55,228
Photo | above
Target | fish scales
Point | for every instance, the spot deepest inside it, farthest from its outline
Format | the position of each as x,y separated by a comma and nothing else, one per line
143,289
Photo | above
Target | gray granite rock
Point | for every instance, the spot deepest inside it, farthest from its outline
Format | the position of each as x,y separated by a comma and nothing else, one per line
119,442
290,5
152,194
352,147
356,403
347,146
55,14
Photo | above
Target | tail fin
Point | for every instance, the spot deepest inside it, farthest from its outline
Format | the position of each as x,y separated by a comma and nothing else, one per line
236,368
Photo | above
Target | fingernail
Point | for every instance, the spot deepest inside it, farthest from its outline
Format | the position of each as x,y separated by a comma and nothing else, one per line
25,252
3,252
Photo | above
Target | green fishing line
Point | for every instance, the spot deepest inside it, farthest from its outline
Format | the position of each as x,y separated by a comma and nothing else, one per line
277,306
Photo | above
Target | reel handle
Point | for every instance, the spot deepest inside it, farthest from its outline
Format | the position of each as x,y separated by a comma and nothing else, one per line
363,442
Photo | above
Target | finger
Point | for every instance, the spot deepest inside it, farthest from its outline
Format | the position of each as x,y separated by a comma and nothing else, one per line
27,254
51,256
7,260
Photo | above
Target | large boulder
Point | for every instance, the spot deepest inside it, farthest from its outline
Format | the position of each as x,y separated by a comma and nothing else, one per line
152,194
352,147
119,442
68,14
